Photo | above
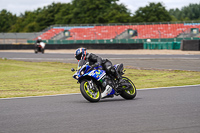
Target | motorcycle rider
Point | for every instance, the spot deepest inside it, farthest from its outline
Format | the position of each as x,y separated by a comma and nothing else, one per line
95,61
39,40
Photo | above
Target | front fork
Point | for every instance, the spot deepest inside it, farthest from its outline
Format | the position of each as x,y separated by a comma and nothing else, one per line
91,86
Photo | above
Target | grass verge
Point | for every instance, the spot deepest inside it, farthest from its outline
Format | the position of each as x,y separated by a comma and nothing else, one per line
20,79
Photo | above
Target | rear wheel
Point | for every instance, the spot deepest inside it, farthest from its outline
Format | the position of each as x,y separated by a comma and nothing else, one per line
91,94
131,93
42,50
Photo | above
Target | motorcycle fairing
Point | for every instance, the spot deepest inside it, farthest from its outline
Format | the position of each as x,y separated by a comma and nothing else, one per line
97,74
112,92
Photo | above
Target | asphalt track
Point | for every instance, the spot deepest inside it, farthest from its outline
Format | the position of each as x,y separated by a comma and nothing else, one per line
174,62
165,110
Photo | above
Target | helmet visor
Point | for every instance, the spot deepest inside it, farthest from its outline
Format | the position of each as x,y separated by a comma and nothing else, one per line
78,56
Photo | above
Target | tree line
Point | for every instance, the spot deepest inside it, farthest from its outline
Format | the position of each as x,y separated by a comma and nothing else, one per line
92,12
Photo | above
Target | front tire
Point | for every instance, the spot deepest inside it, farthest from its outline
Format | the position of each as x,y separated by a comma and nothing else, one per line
128,94
89,94
36,51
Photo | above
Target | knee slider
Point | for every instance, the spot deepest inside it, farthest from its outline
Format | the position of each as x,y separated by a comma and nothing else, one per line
112,70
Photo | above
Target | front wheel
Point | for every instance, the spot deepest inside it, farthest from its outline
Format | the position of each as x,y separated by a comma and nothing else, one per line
36,50
131,93
91,94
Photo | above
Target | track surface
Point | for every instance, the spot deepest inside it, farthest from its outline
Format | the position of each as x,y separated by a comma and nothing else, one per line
169,110
166,110
175,62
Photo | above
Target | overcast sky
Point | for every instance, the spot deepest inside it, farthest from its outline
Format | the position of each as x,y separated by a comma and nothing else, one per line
20,6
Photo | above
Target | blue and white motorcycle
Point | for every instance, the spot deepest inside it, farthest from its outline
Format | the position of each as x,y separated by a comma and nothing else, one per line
91,82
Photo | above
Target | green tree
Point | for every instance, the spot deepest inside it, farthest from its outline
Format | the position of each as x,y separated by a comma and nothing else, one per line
64,15
7,19
190,12
32,27
38,19
24,21
118,14
154,12
47,15
101,11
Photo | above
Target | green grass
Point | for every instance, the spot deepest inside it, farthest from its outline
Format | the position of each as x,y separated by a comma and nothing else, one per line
20,79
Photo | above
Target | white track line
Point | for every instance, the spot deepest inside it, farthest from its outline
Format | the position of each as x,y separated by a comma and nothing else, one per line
137,58
53,59
169,87
41,96
80,93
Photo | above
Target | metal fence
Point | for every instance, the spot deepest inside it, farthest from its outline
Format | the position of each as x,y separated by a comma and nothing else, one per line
15,38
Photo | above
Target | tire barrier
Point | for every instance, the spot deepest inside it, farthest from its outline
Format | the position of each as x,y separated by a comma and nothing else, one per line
16,46
192,45
75,46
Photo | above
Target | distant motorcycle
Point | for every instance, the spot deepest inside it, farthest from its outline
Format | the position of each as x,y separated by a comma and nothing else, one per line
91,80
39,47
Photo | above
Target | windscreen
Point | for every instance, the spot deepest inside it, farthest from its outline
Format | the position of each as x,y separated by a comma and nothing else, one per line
81,63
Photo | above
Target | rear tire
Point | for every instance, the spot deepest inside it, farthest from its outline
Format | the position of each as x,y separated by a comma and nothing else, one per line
42,51
88,93
128,94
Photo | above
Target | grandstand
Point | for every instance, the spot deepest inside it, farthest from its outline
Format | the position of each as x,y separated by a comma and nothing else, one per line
106,32
50,33
110,33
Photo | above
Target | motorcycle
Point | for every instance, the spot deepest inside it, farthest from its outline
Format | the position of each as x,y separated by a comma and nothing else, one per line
39,47
91,81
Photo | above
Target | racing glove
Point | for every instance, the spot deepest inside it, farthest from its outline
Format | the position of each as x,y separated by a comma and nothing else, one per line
95,65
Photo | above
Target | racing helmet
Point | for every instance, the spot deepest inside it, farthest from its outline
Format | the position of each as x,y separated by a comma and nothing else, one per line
39,39
80,53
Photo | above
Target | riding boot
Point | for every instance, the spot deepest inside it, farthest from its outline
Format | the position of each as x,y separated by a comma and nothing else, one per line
107,91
